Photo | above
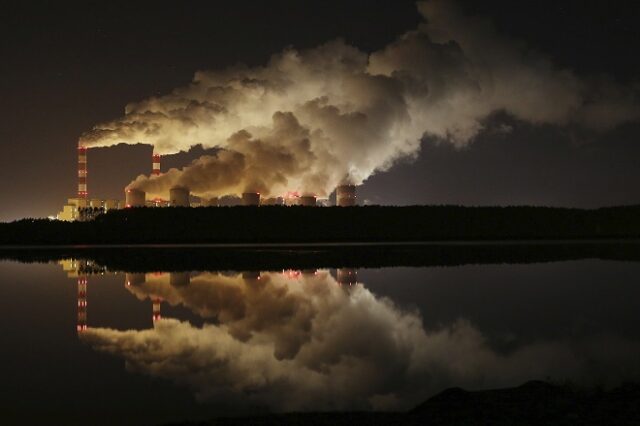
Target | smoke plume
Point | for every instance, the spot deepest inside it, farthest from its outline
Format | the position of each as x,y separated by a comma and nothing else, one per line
311,344
311,119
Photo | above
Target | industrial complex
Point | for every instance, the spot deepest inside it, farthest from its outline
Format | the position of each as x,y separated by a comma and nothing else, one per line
84,208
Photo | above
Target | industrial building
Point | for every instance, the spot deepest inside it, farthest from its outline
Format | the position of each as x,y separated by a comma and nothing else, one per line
83,208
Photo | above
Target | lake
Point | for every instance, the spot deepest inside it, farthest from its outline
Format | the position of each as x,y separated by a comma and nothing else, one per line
91,338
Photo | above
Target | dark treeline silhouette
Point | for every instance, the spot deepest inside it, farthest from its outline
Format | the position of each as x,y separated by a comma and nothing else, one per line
532,404
189,258
333,224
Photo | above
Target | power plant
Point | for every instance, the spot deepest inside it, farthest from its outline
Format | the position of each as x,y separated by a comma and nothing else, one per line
84,208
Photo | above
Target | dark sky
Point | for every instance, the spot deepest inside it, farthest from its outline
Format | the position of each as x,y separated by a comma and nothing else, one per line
66,66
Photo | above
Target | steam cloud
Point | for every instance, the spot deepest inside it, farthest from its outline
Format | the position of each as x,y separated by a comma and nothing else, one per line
311,344
312,119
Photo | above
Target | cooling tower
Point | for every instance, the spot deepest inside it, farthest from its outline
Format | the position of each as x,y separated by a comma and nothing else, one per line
347,276
82,172
179,197
346,195
251,199
155,171
307,200
134,198
211,202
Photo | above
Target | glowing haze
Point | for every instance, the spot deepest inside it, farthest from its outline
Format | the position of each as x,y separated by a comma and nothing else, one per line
312,119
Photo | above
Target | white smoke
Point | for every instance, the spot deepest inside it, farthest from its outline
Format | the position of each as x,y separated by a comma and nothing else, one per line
311,344
312,119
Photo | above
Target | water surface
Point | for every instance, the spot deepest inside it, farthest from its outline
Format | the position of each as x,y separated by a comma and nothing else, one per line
85,344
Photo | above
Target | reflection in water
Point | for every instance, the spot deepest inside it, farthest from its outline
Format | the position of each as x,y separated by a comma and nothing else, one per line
304,340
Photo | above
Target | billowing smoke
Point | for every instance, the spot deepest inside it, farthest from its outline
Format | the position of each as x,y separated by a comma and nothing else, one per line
311,344
312,119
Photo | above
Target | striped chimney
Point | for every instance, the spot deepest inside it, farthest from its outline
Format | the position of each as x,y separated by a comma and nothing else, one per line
156,309
82,303
156,165
82,172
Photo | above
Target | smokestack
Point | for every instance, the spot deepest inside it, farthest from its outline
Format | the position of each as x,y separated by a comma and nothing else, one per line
82,303
251,199
82,172
307,200
179,197
346,195
156,165
156,309
134,198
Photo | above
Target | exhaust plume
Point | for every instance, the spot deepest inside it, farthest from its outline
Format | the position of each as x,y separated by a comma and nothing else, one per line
313,344
310,120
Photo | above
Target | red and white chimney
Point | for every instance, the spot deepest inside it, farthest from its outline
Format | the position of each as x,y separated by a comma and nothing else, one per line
156,308
82,172
156,165
82,303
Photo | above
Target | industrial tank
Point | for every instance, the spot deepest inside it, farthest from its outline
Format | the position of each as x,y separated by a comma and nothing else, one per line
134,198
179,197
251,199
307,200
346,195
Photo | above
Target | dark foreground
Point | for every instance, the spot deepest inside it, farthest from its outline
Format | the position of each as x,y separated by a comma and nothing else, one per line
330,224
534,403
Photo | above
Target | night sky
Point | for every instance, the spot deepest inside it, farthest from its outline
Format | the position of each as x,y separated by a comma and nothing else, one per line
67,66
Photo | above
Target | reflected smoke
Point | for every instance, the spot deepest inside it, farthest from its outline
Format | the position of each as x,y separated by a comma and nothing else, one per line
302,341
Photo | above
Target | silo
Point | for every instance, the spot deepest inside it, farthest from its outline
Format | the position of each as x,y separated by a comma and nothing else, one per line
307,200
179,197
134,198
346,195
251,199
